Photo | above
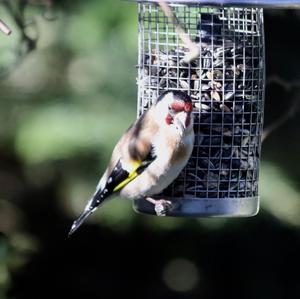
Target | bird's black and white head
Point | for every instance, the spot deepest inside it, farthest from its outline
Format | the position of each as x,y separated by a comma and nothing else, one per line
175,108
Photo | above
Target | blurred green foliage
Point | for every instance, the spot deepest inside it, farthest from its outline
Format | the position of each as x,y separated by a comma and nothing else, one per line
67,101
63,108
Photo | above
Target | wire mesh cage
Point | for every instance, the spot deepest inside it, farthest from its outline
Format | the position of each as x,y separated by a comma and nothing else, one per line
226,83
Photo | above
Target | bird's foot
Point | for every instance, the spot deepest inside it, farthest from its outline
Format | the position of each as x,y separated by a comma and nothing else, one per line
161,206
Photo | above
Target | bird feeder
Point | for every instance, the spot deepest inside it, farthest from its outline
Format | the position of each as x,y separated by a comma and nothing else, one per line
226,81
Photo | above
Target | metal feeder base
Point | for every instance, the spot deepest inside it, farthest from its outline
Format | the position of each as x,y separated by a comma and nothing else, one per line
227,207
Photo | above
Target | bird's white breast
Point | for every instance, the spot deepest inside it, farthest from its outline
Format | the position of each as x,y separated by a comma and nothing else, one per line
166,167
173,168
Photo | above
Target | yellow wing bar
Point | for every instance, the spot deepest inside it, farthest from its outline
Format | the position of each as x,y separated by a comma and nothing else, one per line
132,175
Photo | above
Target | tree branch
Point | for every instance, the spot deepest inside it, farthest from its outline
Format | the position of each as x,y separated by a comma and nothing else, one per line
4,28
26,43
285,84
194,50
290,113
180,31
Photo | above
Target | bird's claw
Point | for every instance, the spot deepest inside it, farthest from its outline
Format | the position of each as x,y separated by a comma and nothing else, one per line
161,206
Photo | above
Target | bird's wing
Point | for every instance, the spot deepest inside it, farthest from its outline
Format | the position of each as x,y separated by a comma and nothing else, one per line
131,156
118,178
121,176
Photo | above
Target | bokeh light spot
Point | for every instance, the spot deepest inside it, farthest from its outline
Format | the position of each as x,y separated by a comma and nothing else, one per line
181,275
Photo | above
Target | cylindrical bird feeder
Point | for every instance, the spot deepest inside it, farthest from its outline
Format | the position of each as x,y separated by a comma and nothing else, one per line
226,80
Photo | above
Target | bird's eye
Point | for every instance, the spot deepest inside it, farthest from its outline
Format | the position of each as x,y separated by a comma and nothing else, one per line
172,111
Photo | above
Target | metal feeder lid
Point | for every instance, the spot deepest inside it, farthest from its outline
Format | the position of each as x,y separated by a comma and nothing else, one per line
239,3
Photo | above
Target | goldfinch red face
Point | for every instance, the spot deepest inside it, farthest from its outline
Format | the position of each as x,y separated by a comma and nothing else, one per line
179,108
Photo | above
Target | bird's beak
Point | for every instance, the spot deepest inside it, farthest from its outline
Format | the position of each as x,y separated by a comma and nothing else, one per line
181,119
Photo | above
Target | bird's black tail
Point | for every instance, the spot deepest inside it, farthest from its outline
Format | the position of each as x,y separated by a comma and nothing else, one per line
98,198
116,180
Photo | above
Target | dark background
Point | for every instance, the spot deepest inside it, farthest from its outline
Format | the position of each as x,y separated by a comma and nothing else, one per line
63,105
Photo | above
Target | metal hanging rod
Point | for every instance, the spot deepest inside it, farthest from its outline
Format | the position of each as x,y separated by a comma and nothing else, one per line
237,3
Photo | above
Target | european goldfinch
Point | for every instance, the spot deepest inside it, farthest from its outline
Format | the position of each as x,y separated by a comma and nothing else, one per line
150,154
